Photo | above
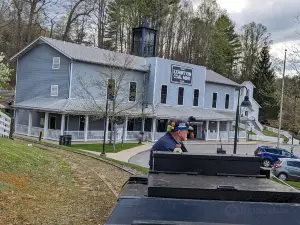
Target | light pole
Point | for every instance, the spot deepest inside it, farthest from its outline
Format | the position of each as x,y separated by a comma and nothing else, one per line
245,103
144,105
281,102
105,124
294,124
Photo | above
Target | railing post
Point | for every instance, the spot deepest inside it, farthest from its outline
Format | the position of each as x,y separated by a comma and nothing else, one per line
125,128
207,131
29,123
62,126
218,130
86,127
153,129
46,125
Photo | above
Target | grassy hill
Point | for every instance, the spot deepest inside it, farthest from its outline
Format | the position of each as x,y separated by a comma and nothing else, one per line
41,187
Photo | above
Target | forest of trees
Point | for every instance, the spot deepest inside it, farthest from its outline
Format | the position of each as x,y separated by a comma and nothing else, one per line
204,36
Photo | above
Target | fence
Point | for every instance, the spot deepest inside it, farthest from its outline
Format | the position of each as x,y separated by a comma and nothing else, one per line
5,121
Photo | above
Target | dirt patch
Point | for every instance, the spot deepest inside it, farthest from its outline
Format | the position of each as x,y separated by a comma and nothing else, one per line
14,180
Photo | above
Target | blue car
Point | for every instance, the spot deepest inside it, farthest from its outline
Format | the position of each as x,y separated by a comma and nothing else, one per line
270,155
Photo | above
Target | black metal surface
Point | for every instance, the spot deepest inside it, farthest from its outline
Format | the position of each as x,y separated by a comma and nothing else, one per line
220,188
132,209
155,222
206,164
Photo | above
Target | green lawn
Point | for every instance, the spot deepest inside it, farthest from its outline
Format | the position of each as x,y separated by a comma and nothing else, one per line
35,185
73,149
108,147
292,183
272,134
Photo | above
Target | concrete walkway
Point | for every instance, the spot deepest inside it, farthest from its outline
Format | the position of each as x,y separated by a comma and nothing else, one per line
125,155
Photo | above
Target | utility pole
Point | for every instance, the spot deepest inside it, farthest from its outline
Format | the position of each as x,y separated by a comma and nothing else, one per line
281,102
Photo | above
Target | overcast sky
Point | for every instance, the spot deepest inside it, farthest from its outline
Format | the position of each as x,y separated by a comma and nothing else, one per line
280,17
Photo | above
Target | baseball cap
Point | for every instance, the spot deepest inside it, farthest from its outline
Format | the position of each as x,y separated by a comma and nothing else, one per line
178,125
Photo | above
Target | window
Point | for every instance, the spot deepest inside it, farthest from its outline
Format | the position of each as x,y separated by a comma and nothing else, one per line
162,125
180,95
214,101
132,91
54,90
164,92
111,86
56,63
293,164
286,153
130,124
196,97
227,101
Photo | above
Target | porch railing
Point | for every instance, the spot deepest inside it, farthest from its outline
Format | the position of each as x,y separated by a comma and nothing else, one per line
35,131
133,135
76,135
21,129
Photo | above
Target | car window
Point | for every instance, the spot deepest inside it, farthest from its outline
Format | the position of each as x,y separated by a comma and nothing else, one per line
274,151
256,151
278,152
293,164
286,153
270,150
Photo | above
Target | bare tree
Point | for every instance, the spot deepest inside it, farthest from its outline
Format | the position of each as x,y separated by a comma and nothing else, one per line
112,85
99,20
35,7
78,9
5,10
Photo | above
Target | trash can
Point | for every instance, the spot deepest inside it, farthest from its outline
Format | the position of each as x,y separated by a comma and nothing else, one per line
61,140
68,140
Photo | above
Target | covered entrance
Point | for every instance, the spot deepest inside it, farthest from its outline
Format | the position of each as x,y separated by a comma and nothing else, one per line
198,130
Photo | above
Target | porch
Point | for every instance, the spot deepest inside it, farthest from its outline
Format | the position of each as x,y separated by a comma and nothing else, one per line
85,128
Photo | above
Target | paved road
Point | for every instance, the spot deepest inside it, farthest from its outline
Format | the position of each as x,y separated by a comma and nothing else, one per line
142,158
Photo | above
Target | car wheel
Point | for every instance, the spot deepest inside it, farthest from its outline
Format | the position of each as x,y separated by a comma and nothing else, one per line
282,176
266,163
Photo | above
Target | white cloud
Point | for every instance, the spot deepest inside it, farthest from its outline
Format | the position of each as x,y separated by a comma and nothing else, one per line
233,6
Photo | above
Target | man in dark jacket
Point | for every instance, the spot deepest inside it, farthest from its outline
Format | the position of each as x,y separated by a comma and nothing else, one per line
171,140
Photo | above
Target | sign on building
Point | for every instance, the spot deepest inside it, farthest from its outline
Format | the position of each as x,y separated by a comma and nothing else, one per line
181,75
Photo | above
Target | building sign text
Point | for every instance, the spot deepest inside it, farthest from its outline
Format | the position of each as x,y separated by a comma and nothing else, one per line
181,75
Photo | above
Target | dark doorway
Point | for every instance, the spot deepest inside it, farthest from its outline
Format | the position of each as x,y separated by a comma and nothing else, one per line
52,123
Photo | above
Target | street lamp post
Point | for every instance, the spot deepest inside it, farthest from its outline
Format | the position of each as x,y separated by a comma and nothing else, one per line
245,103
144,105
294,123
281,101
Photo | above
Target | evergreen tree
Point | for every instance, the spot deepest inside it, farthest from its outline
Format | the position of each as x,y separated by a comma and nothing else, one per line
226,47
264,80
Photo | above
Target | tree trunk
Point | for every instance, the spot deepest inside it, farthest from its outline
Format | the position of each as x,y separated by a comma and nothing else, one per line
71,20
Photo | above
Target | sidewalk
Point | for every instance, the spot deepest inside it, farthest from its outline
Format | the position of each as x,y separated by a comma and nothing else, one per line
125,155
223,142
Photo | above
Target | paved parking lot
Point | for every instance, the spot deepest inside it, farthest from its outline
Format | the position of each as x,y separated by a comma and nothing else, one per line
142,158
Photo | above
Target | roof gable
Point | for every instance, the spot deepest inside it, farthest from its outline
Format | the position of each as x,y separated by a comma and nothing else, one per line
248,82
89,54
